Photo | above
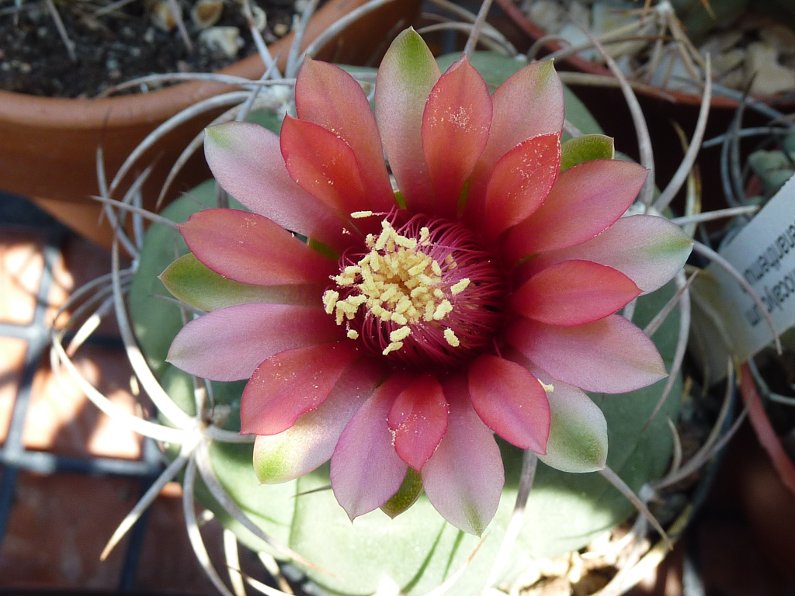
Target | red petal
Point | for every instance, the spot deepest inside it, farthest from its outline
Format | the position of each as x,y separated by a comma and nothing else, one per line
251,249
455,128
585,200
246,160
324,165
511,401
521,181
610,355
528,104
419,419
347,116
310,442
574,293
290,384
365,470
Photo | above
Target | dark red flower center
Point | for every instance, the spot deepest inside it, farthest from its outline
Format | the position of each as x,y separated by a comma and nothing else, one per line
423,292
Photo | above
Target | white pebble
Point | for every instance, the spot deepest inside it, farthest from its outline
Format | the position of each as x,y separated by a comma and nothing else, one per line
223,40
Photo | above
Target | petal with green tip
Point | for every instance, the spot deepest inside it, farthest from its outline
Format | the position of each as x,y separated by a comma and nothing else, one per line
585,148
193,283
578,432
464,477
406,496
311,440
406,76
648,249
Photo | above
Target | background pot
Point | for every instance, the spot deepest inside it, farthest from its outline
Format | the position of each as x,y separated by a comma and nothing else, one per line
49,145
767,486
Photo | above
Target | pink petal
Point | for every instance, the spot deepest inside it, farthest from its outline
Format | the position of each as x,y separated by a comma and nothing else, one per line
311,440
228,344
464,478
520,182
573,293
251,249
455,128
347,115
510,401
419,419
324,165
290,384
609,355
406,76
646,248
528,104
365,469
585,200
247,162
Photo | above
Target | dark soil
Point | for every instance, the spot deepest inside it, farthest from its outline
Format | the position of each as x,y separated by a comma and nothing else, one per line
115,47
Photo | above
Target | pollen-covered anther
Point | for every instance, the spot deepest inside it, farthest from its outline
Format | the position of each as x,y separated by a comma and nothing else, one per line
392,347
399,334
395,282
451,338
459,287
330,298
396,338
443,309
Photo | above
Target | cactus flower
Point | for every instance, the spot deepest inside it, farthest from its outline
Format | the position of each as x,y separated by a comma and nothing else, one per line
473,293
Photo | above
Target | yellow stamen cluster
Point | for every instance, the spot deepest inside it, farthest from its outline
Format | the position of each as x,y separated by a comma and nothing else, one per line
396,282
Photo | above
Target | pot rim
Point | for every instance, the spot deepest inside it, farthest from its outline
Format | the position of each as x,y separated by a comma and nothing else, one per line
154,106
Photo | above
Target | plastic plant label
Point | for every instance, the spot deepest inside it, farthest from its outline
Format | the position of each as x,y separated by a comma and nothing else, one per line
764,254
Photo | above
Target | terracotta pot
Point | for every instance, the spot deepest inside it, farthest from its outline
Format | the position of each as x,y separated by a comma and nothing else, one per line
767,484
49,145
